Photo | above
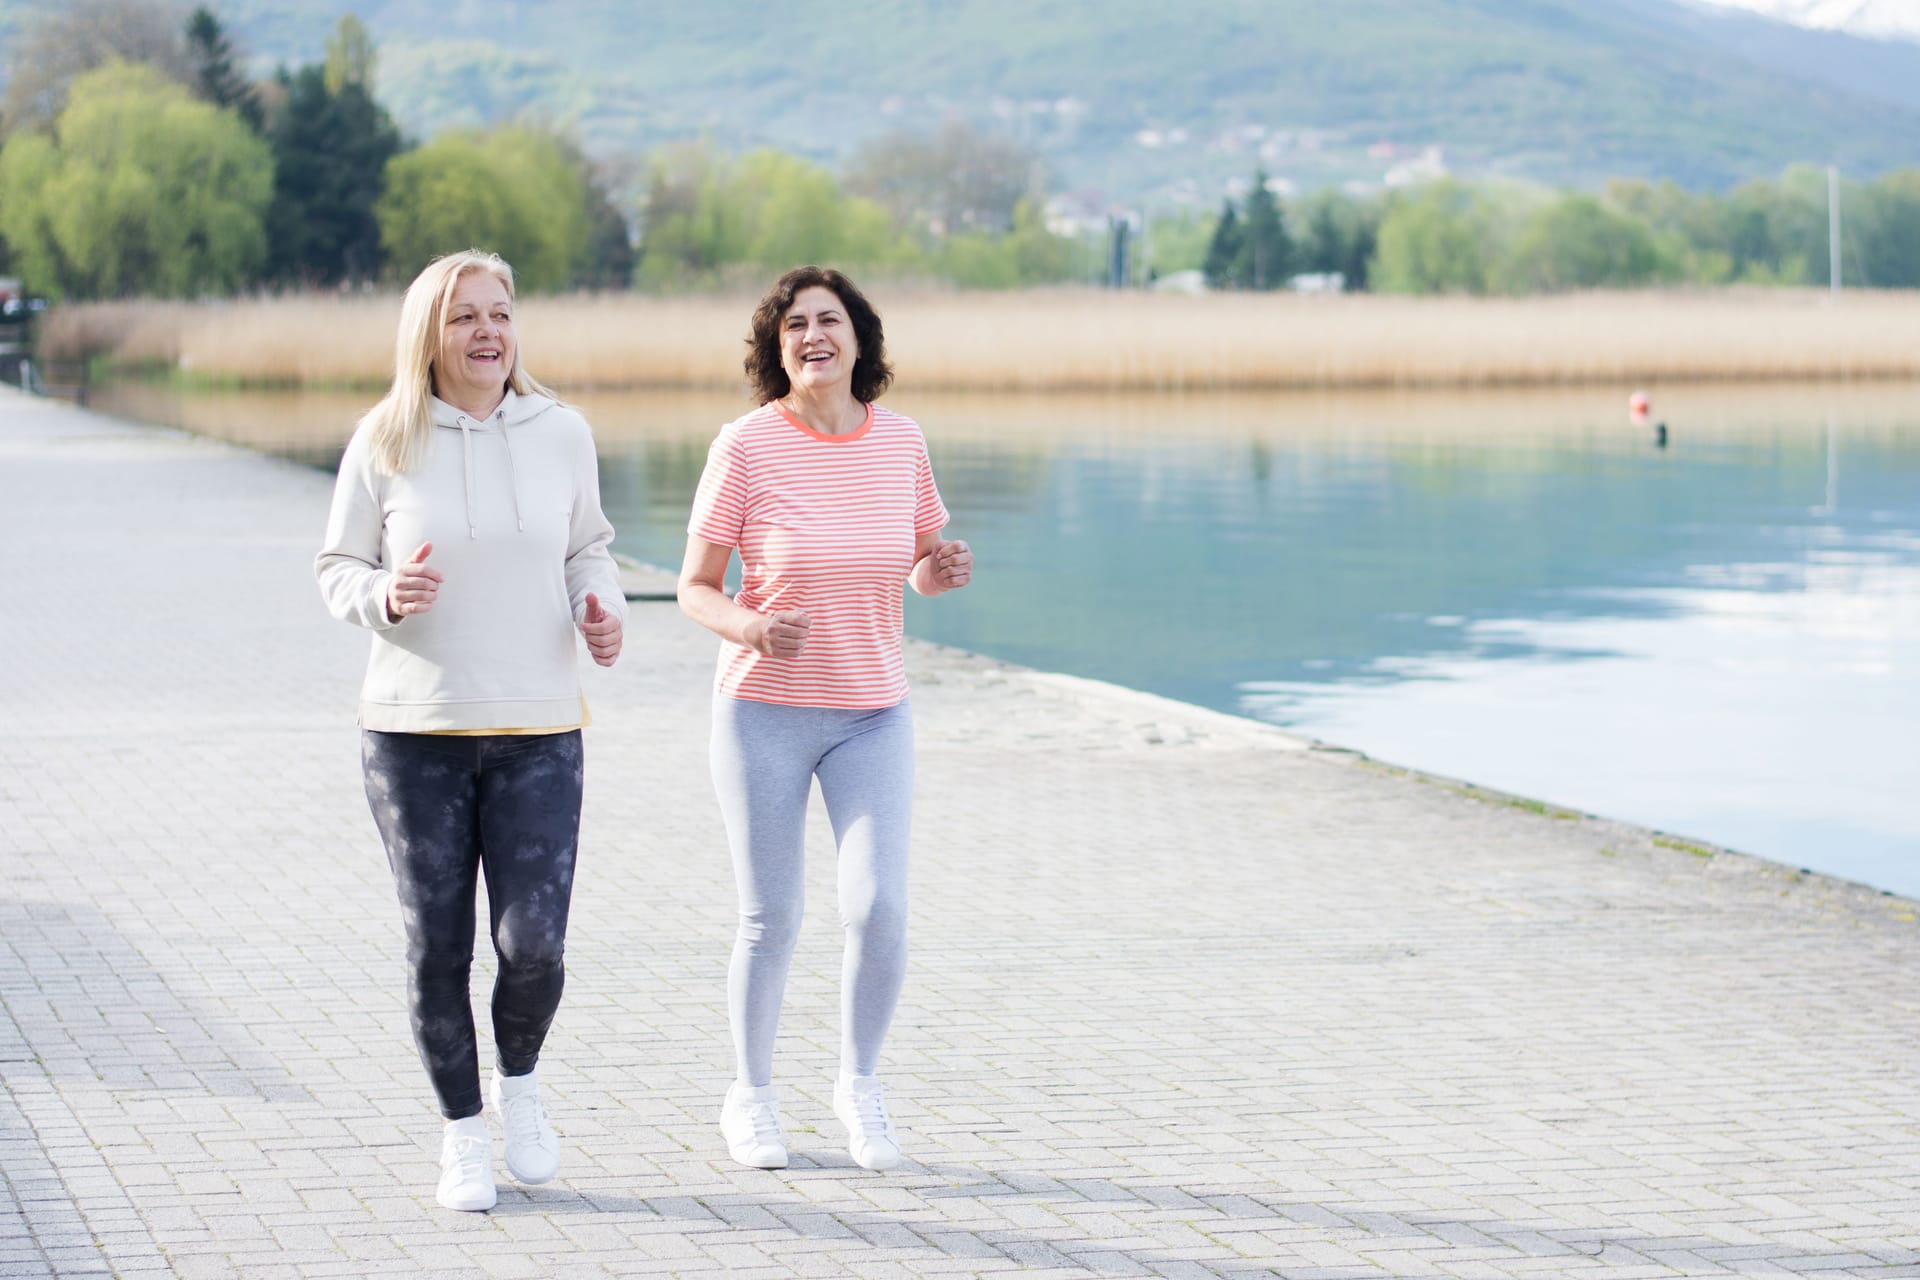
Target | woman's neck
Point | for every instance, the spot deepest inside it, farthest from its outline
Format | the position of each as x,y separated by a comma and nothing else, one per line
831,413
475,407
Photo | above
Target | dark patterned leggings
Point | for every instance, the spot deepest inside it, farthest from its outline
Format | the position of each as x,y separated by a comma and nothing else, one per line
451,809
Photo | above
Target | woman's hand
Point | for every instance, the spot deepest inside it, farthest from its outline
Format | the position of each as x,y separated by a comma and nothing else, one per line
602,631
945,567
414,585
780,635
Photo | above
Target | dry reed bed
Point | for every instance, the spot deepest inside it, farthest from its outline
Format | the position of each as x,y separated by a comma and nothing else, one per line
1070,340
1792,415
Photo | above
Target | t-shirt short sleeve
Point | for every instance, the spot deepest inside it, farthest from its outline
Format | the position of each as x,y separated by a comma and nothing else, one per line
929,513
720,503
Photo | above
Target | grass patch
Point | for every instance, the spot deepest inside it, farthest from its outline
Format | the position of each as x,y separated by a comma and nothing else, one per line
1522,803
1684,846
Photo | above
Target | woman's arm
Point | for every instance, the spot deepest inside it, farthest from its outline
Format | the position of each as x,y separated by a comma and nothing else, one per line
939,565
703,598
354,579
590,564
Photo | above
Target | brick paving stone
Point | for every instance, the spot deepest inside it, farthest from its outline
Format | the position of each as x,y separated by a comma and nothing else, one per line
1187,997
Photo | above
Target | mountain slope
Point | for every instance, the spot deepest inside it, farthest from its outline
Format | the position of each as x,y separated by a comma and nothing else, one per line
1145,99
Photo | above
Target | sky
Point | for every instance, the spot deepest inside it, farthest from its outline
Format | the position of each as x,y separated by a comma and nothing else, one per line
1881,19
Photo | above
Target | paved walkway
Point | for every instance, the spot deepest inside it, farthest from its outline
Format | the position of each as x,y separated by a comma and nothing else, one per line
1185,1000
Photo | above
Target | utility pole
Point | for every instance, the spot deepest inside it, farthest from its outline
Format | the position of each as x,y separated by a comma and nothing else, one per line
1833,230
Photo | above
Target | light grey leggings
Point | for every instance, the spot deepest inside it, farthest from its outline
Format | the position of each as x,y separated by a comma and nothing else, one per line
765,758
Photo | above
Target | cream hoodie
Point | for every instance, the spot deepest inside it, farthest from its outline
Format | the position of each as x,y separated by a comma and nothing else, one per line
511,504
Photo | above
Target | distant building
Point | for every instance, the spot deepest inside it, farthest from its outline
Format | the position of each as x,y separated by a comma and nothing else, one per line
1077,213
1194,282
1319,282
1430,165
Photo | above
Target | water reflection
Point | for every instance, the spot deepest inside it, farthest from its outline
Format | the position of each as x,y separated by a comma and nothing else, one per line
1721,638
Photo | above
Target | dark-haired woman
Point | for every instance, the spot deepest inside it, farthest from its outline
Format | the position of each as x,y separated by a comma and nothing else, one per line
830,502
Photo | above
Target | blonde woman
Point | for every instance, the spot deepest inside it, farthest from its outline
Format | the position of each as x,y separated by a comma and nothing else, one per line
466,534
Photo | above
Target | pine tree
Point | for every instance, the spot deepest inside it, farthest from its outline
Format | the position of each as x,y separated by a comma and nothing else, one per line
1223,251
1266,252
330,153
211,56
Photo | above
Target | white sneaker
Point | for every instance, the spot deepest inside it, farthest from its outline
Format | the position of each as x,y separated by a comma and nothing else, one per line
861,1104
466,1166
533,1149
750,1122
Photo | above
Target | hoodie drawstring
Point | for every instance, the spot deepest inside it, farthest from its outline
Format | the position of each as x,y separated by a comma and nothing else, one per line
466,454
513,475
467,427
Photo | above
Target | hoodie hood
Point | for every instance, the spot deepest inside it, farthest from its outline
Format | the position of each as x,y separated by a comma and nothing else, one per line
514,410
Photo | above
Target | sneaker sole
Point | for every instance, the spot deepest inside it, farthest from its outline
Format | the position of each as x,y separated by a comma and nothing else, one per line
524,1180
779,1163
878,1166
477,1207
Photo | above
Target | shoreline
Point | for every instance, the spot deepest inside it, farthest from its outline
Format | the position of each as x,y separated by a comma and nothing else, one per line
661,583
653,584
1158,719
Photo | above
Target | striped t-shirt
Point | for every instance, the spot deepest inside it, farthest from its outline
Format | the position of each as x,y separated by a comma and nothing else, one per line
824,524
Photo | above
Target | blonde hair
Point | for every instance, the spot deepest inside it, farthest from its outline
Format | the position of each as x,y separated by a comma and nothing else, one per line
400,425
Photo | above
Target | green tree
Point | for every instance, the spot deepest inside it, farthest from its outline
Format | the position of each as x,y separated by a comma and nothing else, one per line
330,151
689,231
1039,256
1885,250
1776,232
351,56
796,213
1688,227
516,190
1265,260
1221,264
1026,254
211,56
1338,234
767,211
141,189
792,209
1178,242
1434,241
1579,243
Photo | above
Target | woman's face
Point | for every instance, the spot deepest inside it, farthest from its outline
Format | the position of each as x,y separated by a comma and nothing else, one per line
476,344
817,345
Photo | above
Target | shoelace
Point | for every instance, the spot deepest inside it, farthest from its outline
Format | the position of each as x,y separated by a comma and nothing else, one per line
525,1117
871,1110
470,1155
766,1122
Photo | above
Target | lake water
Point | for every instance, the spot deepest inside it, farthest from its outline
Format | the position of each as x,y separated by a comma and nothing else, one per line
1719,638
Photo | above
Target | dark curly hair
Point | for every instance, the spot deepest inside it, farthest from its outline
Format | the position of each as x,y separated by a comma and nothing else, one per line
767,378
